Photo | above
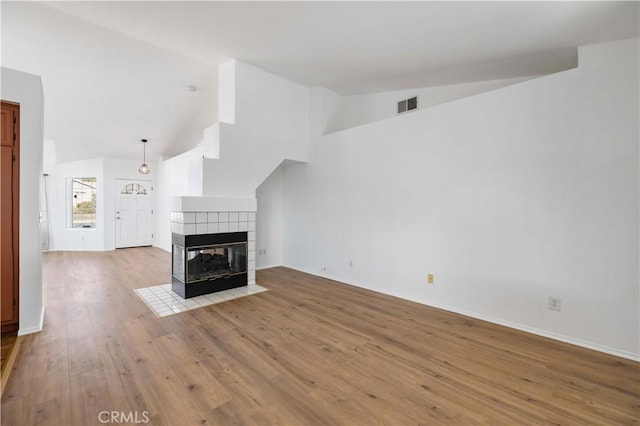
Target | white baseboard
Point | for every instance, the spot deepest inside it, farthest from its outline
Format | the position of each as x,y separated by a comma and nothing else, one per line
267,267
544,333
36,329
162,248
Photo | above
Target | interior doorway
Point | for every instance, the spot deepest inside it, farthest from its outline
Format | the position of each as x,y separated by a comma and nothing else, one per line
134,213
10,216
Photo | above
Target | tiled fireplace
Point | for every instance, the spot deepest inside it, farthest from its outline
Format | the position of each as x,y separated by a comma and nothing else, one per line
213,248
208,263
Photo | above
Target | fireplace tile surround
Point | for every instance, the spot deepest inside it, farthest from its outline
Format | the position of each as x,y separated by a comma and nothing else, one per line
214,222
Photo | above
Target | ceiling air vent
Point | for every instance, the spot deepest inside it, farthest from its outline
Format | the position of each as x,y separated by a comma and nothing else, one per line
408,105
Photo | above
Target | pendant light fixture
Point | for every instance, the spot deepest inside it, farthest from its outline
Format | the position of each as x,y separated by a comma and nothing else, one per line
144,169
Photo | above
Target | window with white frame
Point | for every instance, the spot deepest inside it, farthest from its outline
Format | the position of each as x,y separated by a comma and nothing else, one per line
82,192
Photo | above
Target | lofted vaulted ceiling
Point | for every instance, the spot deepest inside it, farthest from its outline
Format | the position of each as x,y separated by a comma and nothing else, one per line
116,72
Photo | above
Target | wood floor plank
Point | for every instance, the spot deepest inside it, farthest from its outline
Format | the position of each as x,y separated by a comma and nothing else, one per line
195,379
157,380
308,351
89,396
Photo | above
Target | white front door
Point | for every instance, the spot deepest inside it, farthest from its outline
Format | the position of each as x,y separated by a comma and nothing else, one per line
134,214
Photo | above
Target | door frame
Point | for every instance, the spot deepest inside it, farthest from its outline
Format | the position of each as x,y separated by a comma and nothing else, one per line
14,323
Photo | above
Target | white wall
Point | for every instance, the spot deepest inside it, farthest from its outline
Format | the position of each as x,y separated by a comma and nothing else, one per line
264,120
62,237
269,125
26,89
508,197
357,110
106,170
177,176
269,221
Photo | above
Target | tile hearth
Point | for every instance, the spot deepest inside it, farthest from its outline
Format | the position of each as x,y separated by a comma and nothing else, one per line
163,301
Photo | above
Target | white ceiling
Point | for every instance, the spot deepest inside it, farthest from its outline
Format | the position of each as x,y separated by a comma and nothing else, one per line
115,72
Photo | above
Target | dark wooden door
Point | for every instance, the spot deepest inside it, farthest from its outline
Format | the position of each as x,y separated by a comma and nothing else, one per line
9,215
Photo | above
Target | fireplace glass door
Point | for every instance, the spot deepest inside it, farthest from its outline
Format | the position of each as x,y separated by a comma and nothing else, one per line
178,262
213,261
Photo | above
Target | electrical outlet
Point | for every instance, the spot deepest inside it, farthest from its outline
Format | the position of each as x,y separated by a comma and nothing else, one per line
430,279
555,303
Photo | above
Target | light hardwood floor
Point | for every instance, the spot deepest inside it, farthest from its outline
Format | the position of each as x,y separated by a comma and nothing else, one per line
309,351
8,340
